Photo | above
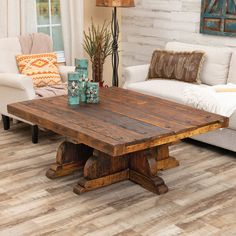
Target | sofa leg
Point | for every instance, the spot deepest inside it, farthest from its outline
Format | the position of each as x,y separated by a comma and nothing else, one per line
35,134
6,122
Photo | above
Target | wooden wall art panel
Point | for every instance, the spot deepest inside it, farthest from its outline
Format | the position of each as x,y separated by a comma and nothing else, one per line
218,17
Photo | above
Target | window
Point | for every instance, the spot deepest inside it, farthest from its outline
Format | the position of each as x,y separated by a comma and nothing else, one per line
49,22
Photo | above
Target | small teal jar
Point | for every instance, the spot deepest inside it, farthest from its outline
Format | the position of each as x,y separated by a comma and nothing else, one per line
83,88
92,92
73,88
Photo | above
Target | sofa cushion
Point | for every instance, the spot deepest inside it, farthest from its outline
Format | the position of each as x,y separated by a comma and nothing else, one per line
182,66
171,90
232,69
217,59
42,68
167,89
9,48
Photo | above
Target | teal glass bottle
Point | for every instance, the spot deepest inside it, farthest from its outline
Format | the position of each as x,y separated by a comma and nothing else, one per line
81,66
73,88
82,69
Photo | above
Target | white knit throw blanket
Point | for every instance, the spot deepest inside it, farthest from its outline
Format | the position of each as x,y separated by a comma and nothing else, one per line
206,98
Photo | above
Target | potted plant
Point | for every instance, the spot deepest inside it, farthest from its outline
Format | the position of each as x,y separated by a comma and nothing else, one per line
98,45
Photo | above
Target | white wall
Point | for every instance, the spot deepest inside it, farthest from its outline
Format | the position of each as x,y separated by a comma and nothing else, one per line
154,22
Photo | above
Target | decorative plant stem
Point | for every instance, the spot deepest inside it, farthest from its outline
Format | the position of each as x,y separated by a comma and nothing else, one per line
98,45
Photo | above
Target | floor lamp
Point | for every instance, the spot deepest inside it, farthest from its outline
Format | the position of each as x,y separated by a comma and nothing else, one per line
115,32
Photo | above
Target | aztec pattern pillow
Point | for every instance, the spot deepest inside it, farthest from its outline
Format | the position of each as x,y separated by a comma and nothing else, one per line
182,66
42,68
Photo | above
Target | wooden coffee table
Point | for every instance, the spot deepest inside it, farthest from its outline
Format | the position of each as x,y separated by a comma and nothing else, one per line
125,136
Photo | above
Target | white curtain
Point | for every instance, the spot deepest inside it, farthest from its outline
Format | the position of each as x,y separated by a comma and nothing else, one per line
17,17
72,14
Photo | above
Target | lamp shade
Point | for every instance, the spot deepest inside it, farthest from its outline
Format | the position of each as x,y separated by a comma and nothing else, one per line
115,3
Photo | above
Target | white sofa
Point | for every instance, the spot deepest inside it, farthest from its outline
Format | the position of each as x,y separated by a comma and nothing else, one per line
219,68
15,87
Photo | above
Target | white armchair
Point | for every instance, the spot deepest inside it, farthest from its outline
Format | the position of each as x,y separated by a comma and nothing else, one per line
15,87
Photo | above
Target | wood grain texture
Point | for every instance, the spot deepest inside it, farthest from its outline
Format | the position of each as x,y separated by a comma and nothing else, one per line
123,122
201,200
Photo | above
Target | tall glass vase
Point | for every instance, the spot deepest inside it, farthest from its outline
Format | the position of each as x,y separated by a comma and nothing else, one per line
97,70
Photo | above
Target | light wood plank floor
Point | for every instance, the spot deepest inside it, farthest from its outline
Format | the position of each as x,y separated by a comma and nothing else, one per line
201,200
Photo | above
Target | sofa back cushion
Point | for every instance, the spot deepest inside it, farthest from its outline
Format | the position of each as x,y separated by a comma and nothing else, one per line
182,66
9,48
216,65
232,69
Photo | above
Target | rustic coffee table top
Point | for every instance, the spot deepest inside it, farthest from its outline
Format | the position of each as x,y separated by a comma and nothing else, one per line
123,122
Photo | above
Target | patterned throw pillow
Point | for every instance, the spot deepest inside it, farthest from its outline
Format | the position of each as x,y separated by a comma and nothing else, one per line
42,68
183,66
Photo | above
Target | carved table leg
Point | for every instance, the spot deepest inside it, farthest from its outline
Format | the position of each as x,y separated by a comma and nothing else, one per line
143,171
70,157
164,161
101,170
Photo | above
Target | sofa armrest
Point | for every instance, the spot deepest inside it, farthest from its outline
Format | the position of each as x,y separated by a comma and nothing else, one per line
136,74
64,70
17,81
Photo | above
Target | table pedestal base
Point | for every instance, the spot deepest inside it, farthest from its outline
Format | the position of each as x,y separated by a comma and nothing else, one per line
153,184
100,169
85,185
164,160
70,158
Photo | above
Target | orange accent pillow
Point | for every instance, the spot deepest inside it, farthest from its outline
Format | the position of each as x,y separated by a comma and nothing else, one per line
42,68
